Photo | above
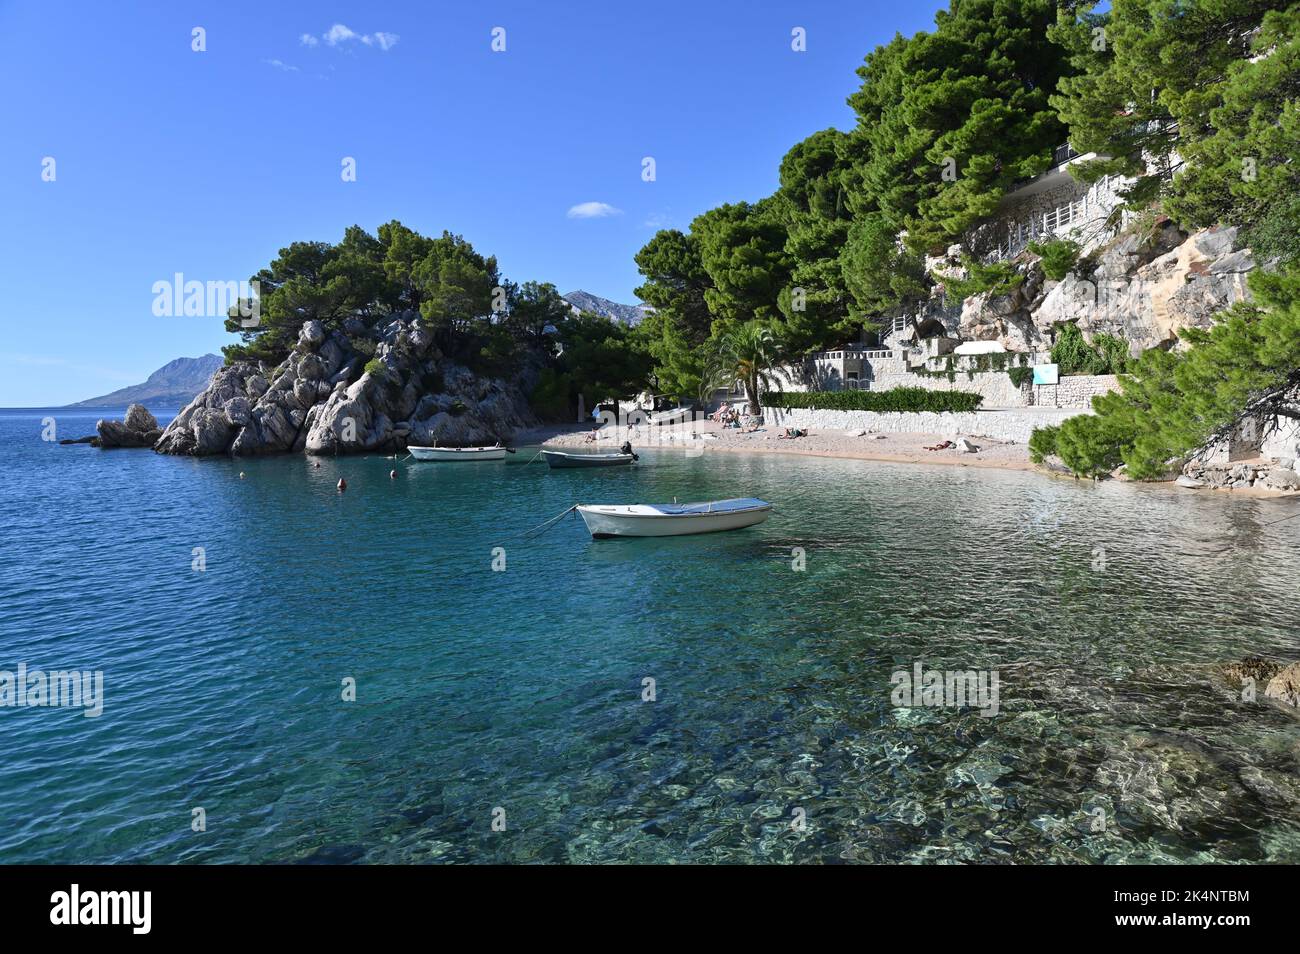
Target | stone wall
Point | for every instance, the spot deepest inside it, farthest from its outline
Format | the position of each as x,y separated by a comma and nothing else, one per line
1077,390
996,386
1008,425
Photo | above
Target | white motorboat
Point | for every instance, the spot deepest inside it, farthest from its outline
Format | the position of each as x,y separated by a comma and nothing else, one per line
672,415
562,459
672,520
455,454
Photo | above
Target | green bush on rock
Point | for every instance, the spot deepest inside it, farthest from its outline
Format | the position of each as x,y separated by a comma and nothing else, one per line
1105,355
1171,402
1058,257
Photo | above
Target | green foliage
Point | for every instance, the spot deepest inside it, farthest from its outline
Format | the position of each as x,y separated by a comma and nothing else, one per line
746,352
376,368
974,91
995,278
880,273
1094,446
896,399
601,360
812,201
456,289
1112,354
742,248
371,279
1168,88
1204,88
1059,256
1171,402
1241,163
532,308
675,285
551,395
1276,233
1106,355
1042,443
1020,376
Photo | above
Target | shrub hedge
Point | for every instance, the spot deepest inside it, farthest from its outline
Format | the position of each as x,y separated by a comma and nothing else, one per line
897,399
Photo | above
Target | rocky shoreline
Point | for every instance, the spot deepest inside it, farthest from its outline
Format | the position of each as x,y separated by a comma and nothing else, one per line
345,391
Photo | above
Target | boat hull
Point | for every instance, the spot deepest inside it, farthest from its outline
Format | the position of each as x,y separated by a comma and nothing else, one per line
561,460
457,454
605,521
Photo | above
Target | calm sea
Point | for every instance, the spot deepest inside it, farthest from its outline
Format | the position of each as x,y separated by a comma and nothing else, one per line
695,699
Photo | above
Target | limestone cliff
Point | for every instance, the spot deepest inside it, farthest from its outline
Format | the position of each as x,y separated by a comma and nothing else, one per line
330,397
1142,287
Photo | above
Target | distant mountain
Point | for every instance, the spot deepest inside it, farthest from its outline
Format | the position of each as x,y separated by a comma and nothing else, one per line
172,385
629,315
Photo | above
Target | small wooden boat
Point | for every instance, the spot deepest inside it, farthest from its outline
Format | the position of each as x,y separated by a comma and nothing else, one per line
455,454
560,459
672,520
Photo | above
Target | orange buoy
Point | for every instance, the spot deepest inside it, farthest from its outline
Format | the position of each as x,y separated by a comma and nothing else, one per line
343,485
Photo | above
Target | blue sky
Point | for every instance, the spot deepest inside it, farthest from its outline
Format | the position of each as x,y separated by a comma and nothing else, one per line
205,163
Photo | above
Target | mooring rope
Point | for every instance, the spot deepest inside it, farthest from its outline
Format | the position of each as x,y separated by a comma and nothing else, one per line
547,525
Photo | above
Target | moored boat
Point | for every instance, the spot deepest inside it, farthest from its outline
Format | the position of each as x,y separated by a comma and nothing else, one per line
561,459
450,454
672,520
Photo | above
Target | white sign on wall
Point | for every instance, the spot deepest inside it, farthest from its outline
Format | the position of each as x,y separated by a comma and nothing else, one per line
1047,374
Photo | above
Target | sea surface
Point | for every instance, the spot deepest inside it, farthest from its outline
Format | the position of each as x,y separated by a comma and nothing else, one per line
507,715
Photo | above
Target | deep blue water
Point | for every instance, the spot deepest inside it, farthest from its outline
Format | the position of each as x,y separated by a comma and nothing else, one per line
522,690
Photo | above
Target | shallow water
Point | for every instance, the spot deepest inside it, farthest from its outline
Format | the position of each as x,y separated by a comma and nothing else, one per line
1102,608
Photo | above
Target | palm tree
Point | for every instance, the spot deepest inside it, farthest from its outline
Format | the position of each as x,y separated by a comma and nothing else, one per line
748,353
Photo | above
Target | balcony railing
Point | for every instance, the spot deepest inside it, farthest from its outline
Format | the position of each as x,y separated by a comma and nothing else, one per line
1063,154
1092,206
852,354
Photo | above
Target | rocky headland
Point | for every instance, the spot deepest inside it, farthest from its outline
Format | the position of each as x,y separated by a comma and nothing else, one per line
349,390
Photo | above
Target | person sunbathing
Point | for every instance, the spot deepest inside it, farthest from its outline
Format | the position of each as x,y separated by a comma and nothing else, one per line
942,445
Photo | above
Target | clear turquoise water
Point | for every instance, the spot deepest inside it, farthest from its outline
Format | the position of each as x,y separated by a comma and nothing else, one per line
522,689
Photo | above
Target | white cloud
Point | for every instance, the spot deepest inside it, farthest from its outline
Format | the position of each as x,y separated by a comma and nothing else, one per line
657,220
280,65
593,210
340,35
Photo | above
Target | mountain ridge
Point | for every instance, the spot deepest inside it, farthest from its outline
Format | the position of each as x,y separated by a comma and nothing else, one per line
630,315
173,385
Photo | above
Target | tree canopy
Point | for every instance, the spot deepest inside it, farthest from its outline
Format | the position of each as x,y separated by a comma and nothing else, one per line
950,119
1163,87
